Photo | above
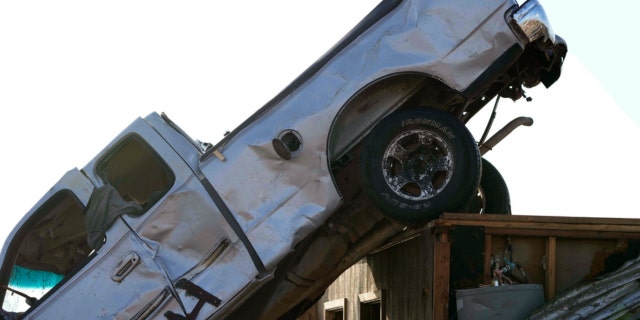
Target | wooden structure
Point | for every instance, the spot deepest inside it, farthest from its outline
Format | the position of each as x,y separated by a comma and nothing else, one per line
417,278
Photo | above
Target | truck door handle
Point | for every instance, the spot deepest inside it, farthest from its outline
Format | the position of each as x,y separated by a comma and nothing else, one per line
127,263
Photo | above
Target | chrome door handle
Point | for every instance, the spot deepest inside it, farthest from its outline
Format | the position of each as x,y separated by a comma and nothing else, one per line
127,263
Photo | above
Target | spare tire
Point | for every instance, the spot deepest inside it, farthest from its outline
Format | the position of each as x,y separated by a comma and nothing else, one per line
419,162
492,196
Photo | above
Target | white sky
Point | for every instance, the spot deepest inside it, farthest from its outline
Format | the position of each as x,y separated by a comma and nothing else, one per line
73,74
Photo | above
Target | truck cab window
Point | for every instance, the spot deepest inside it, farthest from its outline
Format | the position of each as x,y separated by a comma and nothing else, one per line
137,172
47,249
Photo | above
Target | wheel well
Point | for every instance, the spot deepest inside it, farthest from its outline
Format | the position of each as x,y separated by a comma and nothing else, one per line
381,97
368,107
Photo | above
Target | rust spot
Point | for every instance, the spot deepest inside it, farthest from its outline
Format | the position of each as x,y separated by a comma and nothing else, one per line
601,262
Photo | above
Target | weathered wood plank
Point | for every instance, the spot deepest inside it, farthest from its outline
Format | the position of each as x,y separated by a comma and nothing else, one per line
584,234
544,224
488,274
537,219
441,272
550,274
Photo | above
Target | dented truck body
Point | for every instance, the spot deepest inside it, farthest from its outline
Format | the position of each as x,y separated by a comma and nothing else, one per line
161,226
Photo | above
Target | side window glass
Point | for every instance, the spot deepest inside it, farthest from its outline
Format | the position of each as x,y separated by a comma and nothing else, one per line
51,246
137,172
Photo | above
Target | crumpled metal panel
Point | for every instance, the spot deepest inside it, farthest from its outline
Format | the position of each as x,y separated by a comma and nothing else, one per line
279,202
184,230
225,279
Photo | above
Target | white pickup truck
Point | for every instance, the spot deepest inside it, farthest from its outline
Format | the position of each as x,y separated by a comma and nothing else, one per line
367,143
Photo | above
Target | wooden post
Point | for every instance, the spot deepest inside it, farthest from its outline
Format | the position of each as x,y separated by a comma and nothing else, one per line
488,273
441,274
550,274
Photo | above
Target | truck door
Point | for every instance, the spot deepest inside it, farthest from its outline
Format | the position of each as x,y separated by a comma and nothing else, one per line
50,271
180,223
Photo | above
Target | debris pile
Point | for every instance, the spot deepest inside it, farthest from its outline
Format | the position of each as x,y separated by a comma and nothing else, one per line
615,295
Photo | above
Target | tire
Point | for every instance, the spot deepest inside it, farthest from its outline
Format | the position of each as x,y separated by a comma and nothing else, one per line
419,162
492,196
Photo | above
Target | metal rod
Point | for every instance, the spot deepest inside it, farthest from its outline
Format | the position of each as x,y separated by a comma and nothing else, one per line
504,132
490,123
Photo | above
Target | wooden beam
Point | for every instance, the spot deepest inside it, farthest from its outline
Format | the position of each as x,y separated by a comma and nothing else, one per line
441,274
550,273
488,273
544,224
538,219
580,234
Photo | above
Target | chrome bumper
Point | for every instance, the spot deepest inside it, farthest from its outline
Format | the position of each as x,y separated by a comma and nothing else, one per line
530,23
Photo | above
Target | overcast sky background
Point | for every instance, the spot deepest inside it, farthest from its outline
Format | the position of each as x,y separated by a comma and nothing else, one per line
73,74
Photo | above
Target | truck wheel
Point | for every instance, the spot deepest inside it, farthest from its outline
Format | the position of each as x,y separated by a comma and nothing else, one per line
492,196
419,162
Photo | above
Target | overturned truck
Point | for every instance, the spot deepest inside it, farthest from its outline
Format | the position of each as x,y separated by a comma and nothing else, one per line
370,141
